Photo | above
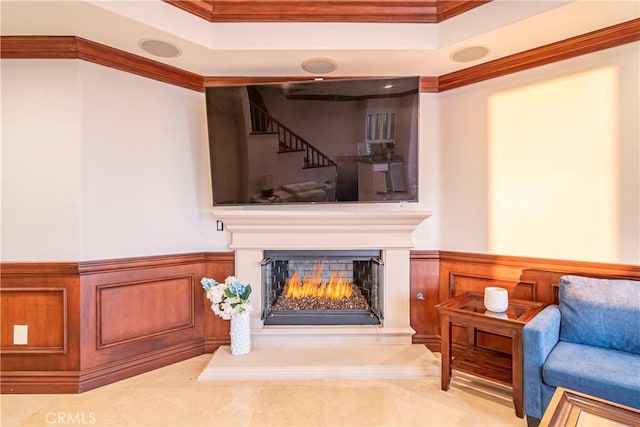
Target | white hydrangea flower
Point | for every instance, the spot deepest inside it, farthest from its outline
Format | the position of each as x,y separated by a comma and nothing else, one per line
229,298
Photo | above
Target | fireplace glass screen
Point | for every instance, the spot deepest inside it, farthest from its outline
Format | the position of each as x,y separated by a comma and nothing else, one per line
341,287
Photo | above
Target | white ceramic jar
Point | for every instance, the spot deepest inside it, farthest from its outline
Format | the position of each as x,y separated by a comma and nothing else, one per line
496,299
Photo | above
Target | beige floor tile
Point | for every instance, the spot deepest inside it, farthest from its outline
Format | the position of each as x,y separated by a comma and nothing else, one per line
276,404
172,396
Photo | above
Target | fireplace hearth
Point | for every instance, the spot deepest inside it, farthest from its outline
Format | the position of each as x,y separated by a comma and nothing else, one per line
322,287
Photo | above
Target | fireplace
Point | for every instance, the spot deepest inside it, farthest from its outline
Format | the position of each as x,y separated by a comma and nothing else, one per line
385,236
322,287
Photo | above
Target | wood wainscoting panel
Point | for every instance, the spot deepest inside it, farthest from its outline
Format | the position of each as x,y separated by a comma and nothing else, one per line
460,283
139,314
43,311
45,296
533,279
424,274
218,265
160,306
106,320
116,326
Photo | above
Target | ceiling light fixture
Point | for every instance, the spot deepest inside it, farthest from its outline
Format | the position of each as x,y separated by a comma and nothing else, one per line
319,65
469,54
159,48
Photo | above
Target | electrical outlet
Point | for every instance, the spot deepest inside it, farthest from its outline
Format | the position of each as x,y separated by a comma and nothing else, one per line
219,225
20,334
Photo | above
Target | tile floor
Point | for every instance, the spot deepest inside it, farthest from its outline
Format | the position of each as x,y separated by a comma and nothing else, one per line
172,396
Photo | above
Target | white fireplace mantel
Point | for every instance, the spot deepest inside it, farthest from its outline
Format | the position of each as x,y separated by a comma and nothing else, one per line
255,230
317,229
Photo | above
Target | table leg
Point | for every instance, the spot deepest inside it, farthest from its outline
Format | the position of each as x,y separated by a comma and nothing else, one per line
445,350
516,371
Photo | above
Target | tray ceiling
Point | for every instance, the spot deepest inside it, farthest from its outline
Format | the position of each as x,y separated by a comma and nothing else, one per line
256,48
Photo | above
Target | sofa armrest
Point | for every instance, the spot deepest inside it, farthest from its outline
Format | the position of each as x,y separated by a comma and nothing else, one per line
540,336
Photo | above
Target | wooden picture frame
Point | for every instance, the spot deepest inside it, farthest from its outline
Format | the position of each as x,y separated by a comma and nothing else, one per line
567,407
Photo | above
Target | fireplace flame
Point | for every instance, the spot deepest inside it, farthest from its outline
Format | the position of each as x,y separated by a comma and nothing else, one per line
336,288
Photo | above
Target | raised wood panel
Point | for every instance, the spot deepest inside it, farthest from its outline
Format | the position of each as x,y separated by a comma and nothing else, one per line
124,317
424,274
462,283
159,306
216,331
526,278
605,38
411,11
45,296
137,306
541,273
137,352
43,310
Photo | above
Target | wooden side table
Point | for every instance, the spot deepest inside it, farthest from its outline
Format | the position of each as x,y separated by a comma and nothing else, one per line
468,310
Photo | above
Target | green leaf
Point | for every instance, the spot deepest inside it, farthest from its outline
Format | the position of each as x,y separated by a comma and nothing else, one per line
228,293
246,293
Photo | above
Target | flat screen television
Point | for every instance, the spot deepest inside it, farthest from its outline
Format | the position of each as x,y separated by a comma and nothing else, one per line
323,141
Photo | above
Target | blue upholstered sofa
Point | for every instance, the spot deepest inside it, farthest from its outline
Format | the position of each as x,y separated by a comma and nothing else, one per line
589,343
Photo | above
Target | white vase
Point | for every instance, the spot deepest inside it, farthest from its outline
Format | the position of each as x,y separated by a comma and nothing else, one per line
496,299
240,334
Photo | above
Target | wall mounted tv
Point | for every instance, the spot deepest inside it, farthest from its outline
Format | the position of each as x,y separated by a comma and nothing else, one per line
324,141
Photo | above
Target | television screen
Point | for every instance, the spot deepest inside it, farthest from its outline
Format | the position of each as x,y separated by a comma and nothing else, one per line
325,141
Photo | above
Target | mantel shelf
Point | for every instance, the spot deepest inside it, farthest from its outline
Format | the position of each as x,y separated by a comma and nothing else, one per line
268,218
334,229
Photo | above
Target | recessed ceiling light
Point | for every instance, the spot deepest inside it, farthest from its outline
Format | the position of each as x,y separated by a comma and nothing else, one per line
159,48
319,65
469,54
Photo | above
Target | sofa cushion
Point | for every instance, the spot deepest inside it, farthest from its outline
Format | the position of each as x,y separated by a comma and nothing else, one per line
609,374
600,312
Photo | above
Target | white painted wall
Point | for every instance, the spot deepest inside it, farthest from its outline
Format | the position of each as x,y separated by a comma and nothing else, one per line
572,140
99,164
428,234
41,160
145,176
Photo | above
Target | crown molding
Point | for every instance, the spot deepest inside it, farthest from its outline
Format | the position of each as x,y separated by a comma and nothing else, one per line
53,47
605,38
57,47
411,11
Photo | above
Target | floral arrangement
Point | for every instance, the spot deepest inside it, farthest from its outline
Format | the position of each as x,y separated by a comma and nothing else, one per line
229,298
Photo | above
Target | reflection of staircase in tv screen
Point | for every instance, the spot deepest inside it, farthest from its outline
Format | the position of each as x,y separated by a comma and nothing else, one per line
289,141
301,172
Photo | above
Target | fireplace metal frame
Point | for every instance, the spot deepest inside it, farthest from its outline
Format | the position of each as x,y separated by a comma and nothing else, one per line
374,316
